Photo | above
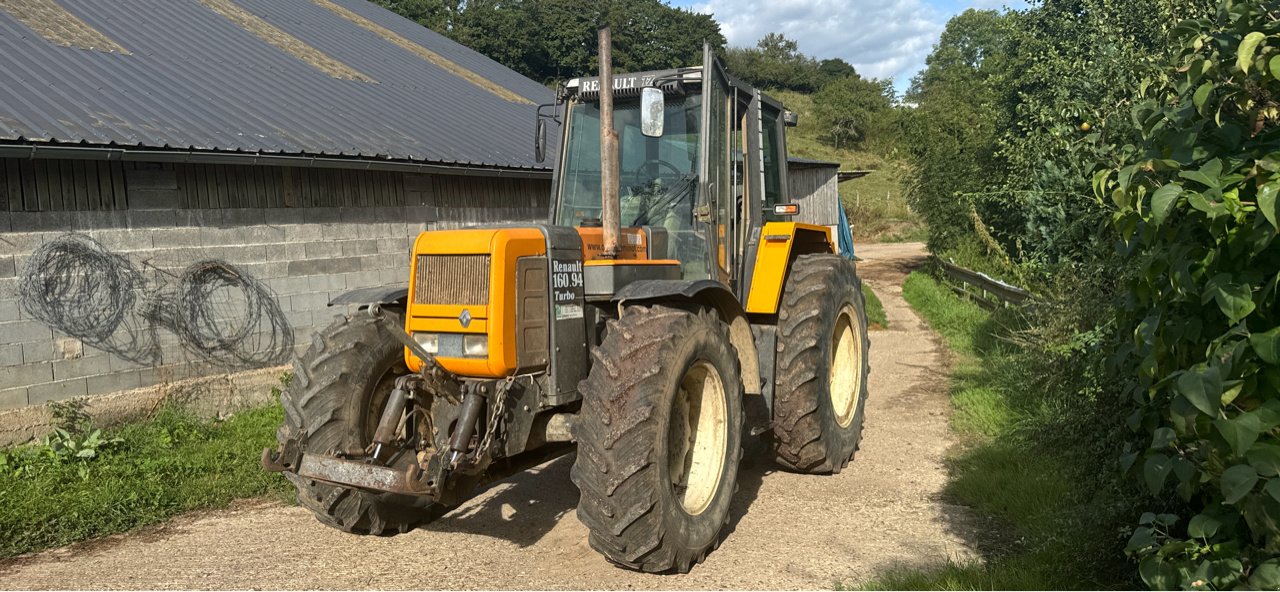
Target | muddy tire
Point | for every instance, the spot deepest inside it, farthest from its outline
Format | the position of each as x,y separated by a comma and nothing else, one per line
338,389
659,438
822,366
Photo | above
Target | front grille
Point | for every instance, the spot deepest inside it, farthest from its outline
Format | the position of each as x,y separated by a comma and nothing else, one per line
452,279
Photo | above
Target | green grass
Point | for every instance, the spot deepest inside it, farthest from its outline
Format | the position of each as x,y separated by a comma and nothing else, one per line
1050,531
162,467
876,318
876,204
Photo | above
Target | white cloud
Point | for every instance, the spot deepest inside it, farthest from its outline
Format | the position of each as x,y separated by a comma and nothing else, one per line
881,38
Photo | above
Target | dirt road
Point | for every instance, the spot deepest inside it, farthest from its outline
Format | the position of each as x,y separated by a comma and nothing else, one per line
789,531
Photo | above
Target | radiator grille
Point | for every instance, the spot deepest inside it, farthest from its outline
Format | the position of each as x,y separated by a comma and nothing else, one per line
452,279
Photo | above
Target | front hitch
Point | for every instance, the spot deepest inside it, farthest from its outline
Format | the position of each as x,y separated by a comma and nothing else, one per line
367,469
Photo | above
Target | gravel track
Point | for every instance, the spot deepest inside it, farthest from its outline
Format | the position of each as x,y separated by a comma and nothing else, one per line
788,531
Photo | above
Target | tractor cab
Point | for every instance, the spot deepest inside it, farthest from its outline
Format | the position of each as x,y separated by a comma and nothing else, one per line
701,165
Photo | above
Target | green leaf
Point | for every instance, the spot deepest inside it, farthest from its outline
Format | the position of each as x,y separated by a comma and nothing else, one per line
1162,202
1201,178
1157,574
1203,526
1272,488
1267,202
1202,386
1162,438
1267,345
1265,458
1156,471
1241,432
1202,95
1234,300
1266,576
1247,48
1143,537
1237,482
1275,67
1226,572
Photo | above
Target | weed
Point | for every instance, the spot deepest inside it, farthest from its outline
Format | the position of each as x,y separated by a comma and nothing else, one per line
150,471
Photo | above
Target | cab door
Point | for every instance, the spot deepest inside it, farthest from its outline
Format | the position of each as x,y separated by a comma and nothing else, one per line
716,204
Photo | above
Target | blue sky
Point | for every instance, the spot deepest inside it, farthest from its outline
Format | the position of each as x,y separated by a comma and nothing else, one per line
881,38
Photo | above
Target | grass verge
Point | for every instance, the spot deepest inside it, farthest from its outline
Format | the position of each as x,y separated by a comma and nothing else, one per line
876,318
1048,500
167,465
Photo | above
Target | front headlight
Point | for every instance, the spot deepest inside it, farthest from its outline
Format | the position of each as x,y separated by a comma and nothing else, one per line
475,345
428,341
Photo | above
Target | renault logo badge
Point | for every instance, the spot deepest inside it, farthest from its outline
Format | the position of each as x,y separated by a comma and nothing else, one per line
465,318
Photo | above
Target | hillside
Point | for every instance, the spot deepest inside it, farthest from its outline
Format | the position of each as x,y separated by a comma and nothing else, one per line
876,204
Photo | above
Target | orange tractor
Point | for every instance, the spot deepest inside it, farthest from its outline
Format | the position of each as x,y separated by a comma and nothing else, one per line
668,313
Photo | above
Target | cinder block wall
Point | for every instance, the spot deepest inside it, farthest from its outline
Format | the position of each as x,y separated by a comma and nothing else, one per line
303,255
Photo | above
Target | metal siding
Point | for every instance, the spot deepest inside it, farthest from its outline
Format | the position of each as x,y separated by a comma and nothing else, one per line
195,80
67,185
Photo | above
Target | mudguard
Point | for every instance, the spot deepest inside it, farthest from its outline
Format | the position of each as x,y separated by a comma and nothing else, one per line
389,294
718,296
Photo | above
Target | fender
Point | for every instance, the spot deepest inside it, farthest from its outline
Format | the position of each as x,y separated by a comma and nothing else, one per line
780,244
388,294
725,303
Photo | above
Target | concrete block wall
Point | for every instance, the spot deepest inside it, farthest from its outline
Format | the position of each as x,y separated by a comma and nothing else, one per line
304,256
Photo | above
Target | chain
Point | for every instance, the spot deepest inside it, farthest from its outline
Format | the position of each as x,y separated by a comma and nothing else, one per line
499,408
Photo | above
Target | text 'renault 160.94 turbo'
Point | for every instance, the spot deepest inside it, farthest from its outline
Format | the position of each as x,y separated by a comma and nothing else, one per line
668,313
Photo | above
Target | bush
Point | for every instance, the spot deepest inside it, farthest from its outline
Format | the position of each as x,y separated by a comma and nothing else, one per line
1195,200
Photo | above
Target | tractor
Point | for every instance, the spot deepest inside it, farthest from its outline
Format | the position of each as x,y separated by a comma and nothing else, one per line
668,315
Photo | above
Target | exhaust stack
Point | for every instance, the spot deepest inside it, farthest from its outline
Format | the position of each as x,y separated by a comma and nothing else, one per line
608,148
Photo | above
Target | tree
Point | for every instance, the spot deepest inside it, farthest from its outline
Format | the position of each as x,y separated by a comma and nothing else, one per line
833,69
550,40
775,62
855,111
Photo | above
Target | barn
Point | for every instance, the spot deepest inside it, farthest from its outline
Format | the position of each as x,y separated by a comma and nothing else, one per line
185,185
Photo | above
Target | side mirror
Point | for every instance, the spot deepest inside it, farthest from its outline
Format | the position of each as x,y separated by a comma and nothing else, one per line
790,118
540,141
653,111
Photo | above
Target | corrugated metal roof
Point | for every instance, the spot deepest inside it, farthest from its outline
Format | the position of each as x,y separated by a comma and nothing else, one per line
194,79
797,162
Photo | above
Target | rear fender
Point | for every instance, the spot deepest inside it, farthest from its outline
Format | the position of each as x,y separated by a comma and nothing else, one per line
706,293
780,244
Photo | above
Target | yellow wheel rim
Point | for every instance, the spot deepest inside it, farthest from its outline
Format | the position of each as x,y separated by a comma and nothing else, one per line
845,380
697,437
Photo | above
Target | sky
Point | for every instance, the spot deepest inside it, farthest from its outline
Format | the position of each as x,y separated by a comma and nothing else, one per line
881,38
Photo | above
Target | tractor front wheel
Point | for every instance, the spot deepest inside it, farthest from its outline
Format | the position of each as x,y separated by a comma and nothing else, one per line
333,402
659,438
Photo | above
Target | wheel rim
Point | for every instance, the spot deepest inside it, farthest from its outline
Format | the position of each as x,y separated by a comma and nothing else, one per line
845,381
697,437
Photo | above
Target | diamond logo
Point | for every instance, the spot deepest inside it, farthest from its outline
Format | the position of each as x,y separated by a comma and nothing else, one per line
465,318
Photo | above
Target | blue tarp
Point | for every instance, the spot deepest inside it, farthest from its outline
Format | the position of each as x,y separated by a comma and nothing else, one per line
845,239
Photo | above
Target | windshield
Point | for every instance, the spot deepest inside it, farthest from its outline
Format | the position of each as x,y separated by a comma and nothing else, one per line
657,180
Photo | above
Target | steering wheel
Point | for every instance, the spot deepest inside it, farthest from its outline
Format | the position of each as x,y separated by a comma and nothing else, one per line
653,163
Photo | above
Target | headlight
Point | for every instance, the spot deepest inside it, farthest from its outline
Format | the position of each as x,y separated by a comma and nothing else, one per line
475,345
428,341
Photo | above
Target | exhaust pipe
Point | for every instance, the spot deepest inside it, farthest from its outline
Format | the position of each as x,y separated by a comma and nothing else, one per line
608,148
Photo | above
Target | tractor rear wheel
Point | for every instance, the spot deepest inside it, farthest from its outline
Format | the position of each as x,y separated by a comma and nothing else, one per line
333,402
822,366
659,438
